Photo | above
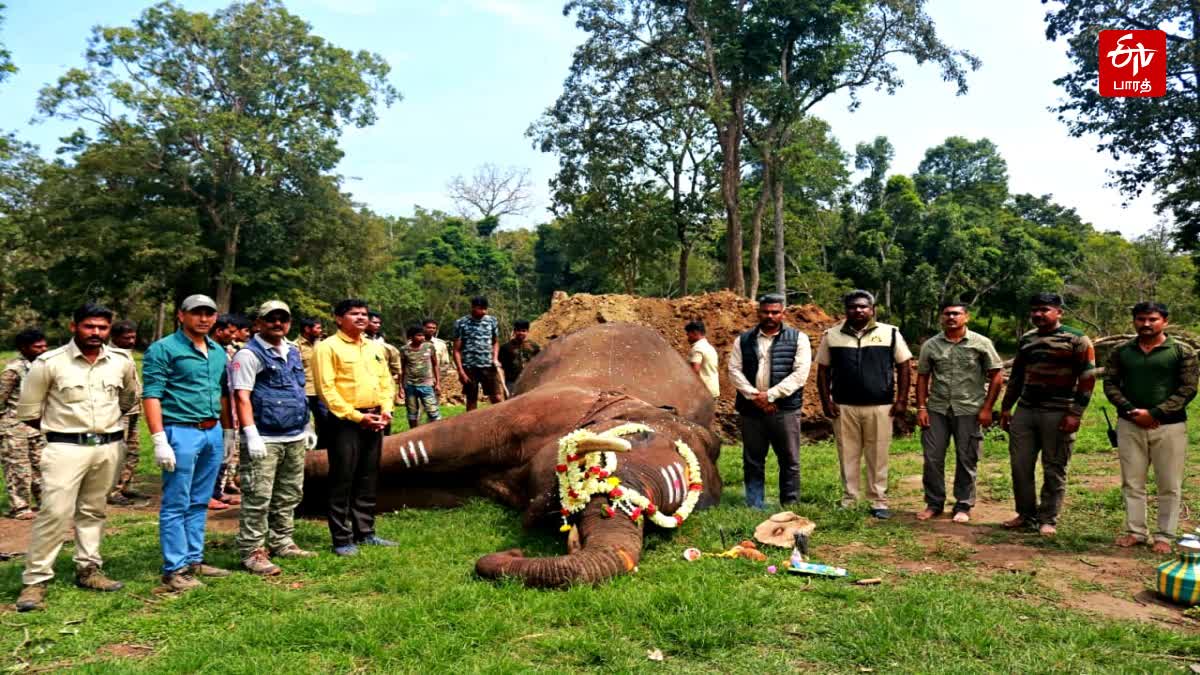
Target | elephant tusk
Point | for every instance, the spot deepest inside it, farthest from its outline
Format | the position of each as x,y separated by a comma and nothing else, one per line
602,444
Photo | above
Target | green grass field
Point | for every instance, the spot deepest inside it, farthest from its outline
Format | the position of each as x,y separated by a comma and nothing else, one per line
418,607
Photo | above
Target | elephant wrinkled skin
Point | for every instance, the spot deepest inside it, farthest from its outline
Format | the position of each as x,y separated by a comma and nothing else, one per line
596,378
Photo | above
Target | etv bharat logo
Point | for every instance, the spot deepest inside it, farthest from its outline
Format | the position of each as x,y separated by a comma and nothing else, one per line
1133,63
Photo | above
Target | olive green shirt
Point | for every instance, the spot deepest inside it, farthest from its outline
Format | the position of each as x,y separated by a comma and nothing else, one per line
959,372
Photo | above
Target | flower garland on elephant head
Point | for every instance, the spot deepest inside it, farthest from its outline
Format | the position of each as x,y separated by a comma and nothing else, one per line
583,476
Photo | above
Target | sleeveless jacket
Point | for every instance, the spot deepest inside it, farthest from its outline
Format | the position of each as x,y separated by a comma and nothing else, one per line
783,356
280,405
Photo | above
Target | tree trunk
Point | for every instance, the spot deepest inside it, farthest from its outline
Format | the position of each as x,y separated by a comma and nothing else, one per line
162,319
780,251
731,181
228,268
760,208
685,253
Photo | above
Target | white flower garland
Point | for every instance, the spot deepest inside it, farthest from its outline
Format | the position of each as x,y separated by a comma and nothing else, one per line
581,477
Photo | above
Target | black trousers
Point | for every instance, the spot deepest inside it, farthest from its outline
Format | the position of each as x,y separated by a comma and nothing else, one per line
321,417
353,478
780,432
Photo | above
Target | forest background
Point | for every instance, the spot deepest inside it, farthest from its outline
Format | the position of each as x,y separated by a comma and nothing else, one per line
689,159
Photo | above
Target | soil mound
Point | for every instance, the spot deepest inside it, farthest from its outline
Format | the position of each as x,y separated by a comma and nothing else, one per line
725,316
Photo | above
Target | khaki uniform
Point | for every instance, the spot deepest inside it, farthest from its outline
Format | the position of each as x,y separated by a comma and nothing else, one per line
20,444
88,402
395,367
133,438
229,466
307,350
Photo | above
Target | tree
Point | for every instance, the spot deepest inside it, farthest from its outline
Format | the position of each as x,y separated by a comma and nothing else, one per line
1155,140
876,159
240,111
491,193
972,172
6,65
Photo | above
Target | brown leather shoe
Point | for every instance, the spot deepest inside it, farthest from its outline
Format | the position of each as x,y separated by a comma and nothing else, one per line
180,581
203,570
292,551
258,563
33,596
217,505
92,578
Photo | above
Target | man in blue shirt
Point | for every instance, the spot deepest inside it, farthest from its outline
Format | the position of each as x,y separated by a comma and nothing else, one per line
185,400
477,353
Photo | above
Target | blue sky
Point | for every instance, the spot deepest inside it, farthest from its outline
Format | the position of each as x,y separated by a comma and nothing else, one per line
476,73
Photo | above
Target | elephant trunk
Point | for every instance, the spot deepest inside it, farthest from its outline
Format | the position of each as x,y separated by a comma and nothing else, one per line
611,547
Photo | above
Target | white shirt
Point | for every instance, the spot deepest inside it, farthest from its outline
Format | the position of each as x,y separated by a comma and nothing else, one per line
704,354
788,385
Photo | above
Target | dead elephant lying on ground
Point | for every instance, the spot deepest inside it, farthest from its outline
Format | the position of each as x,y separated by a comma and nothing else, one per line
609,377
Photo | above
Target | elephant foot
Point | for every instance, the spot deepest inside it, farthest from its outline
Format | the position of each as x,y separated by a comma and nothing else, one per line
498,564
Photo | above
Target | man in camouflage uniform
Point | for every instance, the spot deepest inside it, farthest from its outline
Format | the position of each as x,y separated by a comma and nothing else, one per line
267,378
311,331
20,444
123,338
225,331
442,349
395,364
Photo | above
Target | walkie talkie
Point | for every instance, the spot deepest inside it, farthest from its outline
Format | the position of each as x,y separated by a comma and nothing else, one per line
1112,433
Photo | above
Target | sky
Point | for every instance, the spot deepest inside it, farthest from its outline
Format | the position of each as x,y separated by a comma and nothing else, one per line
476,73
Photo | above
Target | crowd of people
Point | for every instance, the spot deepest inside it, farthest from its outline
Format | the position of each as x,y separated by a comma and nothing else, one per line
233,406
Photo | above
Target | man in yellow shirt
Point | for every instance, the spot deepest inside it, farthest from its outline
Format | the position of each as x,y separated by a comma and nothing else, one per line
353,381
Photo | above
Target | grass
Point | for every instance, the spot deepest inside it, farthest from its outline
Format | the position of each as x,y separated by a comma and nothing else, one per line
418,607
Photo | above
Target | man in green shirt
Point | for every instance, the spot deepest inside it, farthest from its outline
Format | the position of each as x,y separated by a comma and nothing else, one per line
959,377
1151,379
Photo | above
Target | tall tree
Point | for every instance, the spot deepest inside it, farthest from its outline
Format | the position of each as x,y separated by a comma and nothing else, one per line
491,193
241,109
1155,140
969,171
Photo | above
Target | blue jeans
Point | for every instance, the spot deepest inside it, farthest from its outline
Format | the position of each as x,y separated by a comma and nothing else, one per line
186,491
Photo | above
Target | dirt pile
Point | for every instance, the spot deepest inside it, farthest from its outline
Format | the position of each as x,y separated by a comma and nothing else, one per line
725,315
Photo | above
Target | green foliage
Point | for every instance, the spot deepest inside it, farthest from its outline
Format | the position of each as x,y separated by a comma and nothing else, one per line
6,65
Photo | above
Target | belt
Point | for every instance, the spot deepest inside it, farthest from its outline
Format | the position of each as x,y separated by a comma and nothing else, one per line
85,438
203,425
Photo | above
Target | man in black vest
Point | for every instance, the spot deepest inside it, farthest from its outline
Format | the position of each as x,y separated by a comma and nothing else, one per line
863,377
768,366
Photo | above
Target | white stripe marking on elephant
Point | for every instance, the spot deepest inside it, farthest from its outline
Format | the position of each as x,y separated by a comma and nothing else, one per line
673,482
412,452
668,482
421,446
404,456
683,477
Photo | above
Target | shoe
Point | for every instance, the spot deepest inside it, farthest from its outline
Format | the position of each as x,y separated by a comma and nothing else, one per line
1160,547
881,514
202,570
375,540
91,577
181,581
1047,530
929,513
232,500
345,551
292,551
1017,523
1128,540
134,494
28,514
33,596
961,517
118,499
217,505
257,563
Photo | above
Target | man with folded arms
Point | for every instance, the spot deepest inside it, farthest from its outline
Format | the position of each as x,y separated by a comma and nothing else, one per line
354,383
185,400
77,395
267,378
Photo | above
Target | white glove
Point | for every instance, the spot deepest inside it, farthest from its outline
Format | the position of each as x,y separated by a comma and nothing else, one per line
164,454
310,437
255,446
230,440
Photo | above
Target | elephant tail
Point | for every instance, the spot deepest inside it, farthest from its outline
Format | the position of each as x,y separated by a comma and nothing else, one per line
609,547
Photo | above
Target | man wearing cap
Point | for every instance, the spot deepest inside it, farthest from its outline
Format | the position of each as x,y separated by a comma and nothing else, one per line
1051,382
267,378
185,400
353,381
77,395
863,377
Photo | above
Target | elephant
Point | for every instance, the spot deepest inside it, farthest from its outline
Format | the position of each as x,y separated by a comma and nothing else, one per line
596,379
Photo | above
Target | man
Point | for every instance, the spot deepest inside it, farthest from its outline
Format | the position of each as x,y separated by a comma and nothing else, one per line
703,358
123,338
77,395
1151,379
514,354
354,383
863,377
375,332
267,378
422,381
225,332
967,375
477,353
21,445
768,365
1052,377
241,335
185,400
311,331
445,363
